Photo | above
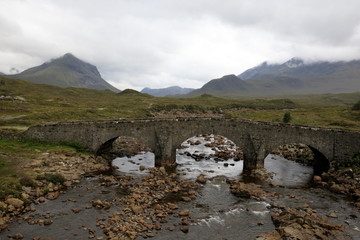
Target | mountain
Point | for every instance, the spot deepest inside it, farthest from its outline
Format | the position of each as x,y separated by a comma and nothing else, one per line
297,68
228,84
162,92
66,71
291,77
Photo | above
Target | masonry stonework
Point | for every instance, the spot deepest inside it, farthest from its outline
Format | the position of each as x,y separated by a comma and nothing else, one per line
164,136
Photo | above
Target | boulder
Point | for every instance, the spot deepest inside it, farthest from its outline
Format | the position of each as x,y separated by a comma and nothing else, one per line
201,179
17,203
303,224
247,190
3,224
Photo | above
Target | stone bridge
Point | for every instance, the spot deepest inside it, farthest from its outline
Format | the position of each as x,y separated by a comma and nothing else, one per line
164,136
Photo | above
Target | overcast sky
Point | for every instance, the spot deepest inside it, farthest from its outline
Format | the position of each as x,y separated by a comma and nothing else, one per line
161,43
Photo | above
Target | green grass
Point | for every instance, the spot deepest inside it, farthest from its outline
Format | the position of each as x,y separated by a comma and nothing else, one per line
341,118
46,103
14,155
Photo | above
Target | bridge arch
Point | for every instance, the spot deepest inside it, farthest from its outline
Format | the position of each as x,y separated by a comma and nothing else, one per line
163,136
320,162
121,146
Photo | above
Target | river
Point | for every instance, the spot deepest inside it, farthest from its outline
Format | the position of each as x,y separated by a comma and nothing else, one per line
215,213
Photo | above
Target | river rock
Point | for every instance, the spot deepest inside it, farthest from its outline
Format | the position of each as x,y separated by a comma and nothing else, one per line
76,210
274,235
317,178
18,236
185,199
184,213
137,210
201,179
17,203
52,195
299,224
247,190
173,206
3,224
332,215
185,228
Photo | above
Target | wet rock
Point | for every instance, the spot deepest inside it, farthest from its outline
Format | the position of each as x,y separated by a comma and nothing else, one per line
185,199
300,224
76,210
52,195
48,222
163,170
274,235
185,229
317,178
184,213
332,215
18,236
185,221
247,190
201,179
157,226
173,206
67,183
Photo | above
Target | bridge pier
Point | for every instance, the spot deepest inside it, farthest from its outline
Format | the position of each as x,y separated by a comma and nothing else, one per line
165,152
165,158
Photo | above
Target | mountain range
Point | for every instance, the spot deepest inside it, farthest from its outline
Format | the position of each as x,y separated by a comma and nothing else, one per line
162,92
292,77
66,71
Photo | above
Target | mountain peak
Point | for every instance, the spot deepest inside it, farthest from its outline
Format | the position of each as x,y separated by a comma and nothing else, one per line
66,71
69,55
294,62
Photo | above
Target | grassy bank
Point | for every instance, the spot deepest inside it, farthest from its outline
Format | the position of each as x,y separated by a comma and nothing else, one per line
24,103
14,156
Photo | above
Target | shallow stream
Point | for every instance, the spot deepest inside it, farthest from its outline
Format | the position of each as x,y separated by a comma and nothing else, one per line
215,213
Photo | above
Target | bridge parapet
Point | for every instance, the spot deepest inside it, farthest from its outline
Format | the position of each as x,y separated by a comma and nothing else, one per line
164,136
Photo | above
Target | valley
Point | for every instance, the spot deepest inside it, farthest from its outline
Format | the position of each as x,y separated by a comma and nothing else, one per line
64,189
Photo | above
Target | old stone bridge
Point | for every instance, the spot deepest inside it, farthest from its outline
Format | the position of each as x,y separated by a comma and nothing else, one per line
164,136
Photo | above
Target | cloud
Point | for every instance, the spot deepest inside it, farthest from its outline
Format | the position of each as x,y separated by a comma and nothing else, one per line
161,43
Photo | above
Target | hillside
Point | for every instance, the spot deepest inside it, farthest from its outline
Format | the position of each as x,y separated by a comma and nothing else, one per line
297,68
292,77
66,71
162,92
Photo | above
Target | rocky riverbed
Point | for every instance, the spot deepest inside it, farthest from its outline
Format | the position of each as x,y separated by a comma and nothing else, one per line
188,202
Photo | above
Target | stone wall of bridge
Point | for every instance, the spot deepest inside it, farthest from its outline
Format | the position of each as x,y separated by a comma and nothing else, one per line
164,136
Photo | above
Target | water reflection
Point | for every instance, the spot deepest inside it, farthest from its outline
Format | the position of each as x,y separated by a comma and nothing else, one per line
133,164
288,173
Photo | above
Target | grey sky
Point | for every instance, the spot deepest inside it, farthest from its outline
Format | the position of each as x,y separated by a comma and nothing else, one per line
160,43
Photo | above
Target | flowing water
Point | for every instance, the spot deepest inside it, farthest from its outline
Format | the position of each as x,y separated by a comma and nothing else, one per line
215,213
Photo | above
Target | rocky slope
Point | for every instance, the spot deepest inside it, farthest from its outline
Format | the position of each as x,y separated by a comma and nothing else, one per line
292,77
66,71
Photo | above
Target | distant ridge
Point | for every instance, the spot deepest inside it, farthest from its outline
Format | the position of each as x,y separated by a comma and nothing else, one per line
162,92
297,68
66,71
294,76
